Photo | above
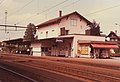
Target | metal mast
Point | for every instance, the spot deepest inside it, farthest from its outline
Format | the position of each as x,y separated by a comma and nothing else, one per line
6,20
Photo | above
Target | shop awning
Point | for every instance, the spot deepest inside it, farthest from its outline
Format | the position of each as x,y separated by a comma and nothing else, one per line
104,46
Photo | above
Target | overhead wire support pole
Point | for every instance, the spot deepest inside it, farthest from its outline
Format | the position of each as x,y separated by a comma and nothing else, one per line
14,26
6,20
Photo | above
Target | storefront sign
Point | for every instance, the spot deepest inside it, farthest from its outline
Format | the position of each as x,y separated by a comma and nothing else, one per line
59,40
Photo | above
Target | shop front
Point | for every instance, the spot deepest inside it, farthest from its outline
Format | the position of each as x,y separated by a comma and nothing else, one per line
96,49
53,47
102,49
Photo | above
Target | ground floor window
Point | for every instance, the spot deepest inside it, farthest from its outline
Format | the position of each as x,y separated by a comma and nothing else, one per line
100,53
45,49
83,49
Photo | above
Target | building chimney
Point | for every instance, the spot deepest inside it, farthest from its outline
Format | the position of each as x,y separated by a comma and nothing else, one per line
60,13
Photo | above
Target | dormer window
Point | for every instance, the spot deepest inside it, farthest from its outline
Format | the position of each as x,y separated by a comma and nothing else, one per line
73,22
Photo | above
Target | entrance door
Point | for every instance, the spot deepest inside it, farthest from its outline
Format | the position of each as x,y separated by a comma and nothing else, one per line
69,51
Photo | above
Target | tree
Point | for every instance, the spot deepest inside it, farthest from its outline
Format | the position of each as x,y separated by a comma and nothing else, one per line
30,32
94,29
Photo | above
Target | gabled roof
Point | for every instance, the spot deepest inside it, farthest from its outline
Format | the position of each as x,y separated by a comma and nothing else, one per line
113,35
57,20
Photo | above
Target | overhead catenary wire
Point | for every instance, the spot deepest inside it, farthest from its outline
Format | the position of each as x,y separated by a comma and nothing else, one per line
14,26
21,8
105,9
69,4
18,10
11,30
43,11
1,2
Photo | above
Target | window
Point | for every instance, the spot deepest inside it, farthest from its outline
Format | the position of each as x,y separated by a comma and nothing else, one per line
46,33
81,27
62,31
116,39
66,32
84,50
41,33
45,49
73,22
111,39
53,30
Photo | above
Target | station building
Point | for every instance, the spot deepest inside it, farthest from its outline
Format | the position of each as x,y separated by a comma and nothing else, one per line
66,36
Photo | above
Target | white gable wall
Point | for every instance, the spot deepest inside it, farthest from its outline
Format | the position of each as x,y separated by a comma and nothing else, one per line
53,31
76,29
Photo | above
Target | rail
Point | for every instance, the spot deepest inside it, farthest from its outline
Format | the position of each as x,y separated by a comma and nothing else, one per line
30,79
74,72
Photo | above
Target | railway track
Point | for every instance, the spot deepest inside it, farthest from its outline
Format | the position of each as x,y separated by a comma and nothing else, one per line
41,75
16,57
62,66
66,69
19,78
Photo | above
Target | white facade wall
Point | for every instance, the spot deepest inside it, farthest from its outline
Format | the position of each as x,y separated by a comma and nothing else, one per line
36,49
53,31
77,29
89,38
84,38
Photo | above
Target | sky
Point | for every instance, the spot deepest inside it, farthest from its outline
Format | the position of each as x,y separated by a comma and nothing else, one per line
23,12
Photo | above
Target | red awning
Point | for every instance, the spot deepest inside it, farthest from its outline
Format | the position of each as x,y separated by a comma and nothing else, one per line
104,46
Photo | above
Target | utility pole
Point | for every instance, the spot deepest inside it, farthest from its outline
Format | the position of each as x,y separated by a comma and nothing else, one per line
6,20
